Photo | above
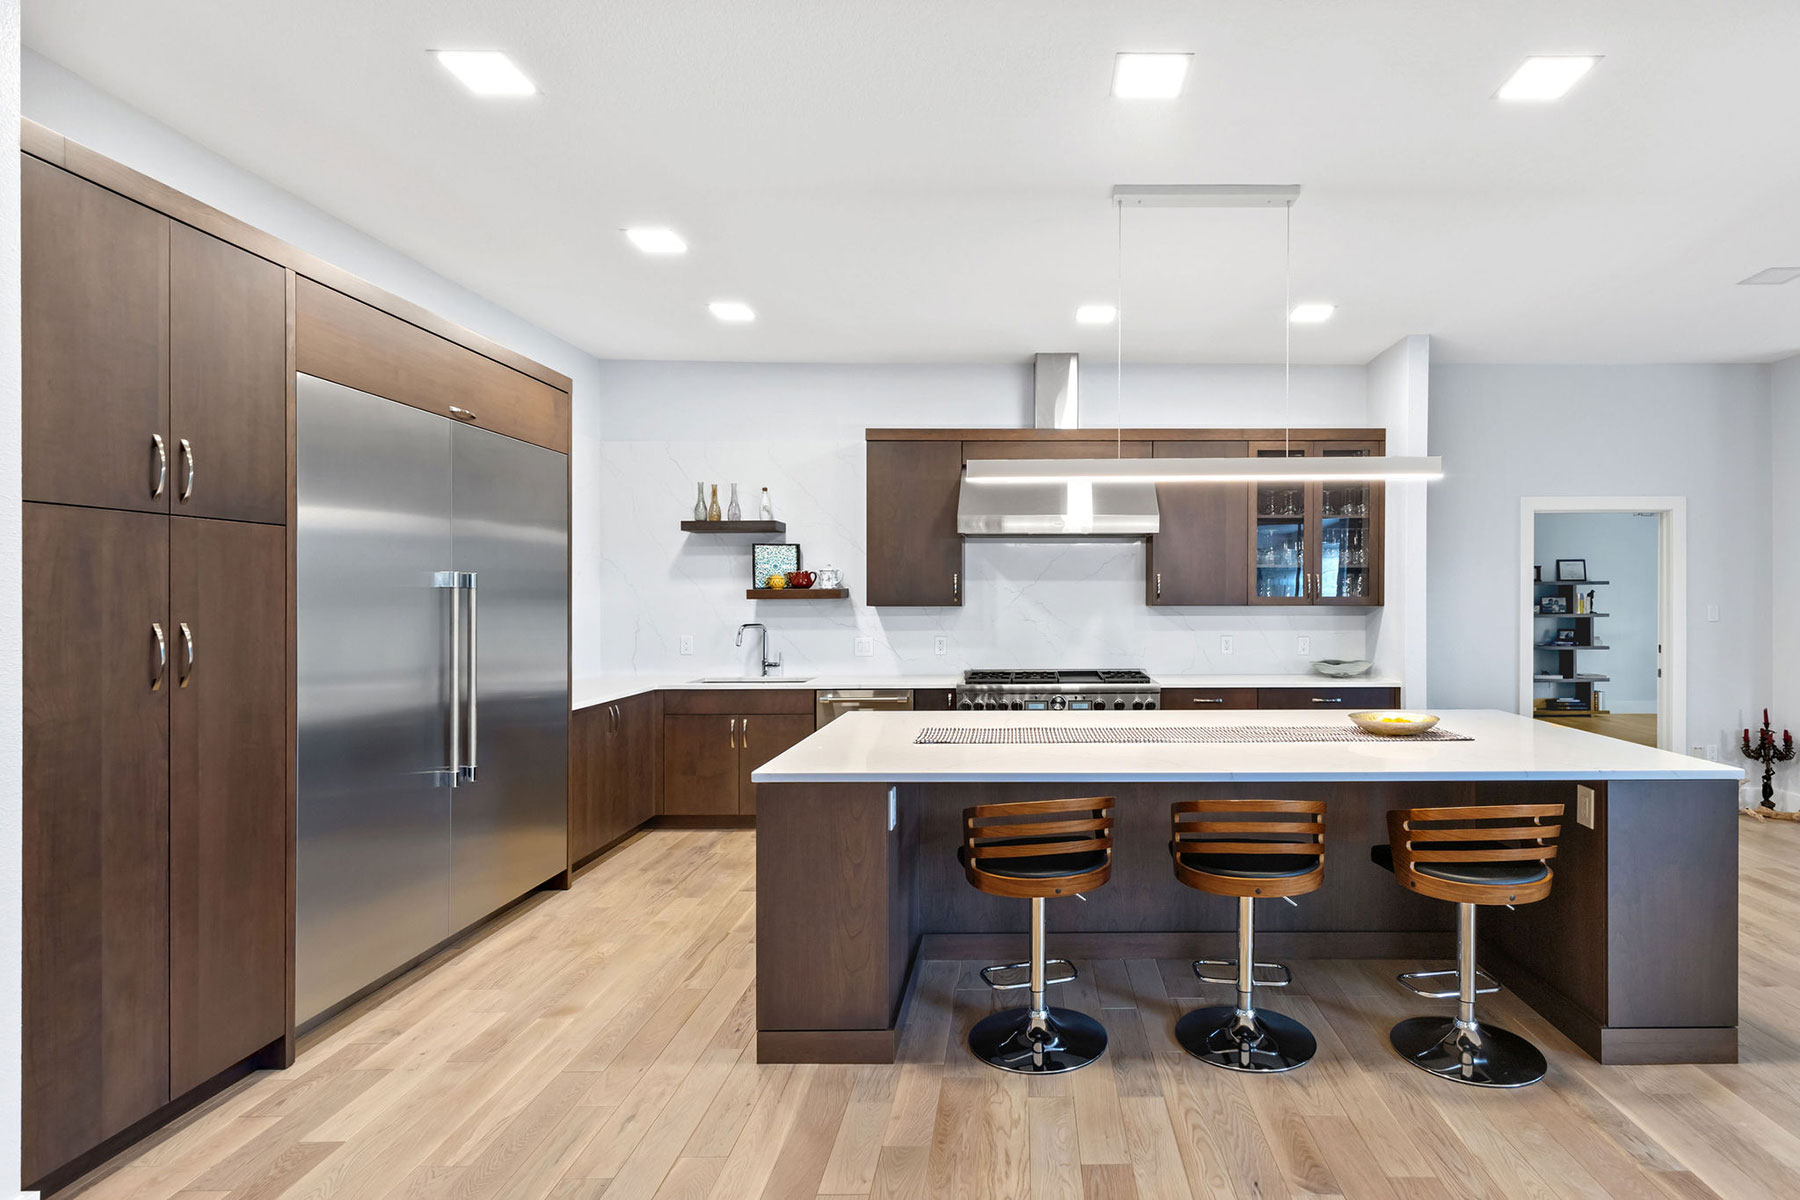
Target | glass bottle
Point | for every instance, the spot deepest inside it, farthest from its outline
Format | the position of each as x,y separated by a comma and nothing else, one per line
768,510
732,511
700,502
712,510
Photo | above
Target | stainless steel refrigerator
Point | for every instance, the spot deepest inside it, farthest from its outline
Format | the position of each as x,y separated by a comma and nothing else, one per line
434,690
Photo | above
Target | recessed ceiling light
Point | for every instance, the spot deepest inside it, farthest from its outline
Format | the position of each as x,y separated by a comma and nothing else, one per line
1096,314
1547,76
654,239
1149,76
1311,313
734,312
487,72
1772,275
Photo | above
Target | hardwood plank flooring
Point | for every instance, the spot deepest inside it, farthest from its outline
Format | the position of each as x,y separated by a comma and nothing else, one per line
1627,727
598,1044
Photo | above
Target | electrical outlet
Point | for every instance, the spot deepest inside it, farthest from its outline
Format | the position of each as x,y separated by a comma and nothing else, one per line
1302,645
940,644
1712,752
687,643
1712,612
1225,643
865,647
1584,805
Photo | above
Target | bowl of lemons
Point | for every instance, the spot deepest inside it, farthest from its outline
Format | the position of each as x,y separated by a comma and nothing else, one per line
1392,722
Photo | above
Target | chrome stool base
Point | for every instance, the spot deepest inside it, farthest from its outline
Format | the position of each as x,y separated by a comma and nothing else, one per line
1258,1042
1479,1055
1050,1042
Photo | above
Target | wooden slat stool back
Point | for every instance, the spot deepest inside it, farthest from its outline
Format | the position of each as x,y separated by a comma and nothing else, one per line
1248,849
1469,856
1037,849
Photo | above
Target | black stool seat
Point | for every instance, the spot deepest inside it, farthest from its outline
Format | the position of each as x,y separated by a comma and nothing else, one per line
1486,874
1251,866
1038,866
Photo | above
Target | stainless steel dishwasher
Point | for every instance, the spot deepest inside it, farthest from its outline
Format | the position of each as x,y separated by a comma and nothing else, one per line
834,704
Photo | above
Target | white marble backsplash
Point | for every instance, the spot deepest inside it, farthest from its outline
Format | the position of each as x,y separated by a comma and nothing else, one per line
1025,604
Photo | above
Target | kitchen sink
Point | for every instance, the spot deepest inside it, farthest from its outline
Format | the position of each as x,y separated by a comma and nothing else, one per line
754,679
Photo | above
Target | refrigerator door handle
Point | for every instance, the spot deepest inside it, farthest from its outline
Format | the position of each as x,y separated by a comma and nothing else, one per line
453,581
466,771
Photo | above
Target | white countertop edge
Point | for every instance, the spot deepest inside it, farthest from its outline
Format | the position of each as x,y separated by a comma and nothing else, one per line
1610,776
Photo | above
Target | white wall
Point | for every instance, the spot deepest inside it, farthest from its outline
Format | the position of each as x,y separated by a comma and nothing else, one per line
12,807
75,108
1511,431
1399,383
1784,550
798,428
1622,549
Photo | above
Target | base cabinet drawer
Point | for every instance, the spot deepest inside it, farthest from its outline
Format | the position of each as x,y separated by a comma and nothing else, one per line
1323,698
1209,699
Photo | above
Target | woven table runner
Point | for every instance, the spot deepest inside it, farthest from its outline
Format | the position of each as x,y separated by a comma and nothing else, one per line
1149,735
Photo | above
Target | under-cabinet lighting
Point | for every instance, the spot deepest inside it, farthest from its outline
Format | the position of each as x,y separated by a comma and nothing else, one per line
1311,313
654,239
1096,314
1201,470
487,72
1149,76
1547,76
734,312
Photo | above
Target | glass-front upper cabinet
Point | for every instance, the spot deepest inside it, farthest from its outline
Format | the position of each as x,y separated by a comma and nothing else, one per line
1317,542
1281,529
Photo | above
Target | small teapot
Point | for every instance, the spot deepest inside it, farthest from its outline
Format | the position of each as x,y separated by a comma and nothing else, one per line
830,577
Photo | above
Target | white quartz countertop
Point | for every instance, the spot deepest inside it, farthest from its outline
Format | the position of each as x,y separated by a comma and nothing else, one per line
878,747
604,689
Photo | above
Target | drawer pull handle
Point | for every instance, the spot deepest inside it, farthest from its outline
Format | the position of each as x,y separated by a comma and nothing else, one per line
159,665
461,414
1328,699
187,457
733,734
1209,700
161,473
187,645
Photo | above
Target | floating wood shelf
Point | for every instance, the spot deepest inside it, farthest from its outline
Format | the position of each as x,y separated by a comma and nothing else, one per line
1575,583
1570,646
776,527
1571,679
1576,616
792,593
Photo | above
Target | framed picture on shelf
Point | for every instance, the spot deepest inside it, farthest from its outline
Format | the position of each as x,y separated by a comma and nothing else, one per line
1554,604
1565,637
1571,570
772,558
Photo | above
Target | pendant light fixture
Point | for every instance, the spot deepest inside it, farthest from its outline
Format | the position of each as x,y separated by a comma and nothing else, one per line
1084,472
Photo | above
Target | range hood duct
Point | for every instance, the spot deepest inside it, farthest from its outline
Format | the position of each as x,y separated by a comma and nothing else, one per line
1076,509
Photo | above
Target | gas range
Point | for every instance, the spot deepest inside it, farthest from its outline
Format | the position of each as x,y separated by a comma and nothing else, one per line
1058,691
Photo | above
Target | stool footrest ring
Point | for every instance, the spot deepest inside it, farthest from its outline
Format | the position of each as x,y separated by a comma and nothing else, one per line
1231,964
1412,981
1049,979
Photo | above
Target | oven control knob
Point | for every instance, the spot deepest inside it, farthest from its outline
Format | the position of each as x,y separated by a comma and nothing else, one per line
1018,705
1058,703
965,704
1118,704
1149,704
1136,704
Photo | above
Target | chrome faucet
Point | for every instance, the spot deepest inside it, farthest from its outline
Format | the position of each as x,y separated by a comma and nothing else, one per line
767,662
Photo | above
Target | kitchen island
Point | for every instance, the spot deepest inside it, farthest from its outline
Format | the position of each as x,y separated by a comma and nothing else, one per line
1633,955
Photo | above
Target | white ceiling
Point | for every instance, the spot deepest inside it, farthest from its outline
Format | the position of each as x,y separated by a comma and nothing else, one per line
927,180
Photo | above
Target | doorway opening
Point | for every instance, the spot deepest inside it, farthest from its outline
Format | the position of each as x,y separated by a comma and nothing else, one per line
1602,616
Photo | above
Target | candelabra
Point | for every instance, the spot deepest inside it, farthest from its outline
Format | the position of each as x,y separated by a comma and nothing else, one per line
1765,751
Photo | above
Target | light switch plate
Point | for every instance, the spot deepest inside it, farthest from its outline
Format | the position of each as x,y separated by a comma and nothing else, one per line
687,643
865,647
1584,805
1712,612
1225,643
1302,645
940,644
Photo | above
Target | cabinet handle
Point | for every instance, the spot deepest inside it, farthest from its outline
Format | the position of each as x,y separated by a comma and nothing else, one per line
461,414
956,585
734,733
746,738
1209,700
187,457
1328,699
1159,585
161,472
187,646
159,662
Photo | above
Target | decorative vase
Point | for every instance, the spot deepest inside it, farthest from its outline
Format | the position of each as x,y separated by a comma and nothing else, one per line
699,502
712,510
732,511
768,510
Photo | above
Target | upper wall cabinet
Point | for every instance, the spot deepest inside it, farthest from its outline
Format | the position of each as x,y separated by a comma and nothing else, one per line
915,555
1316,542
1199,555
94,270
228,374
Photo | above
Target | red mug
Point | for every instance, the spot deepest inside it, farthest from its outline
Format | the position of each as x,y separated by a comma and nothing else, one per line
800,579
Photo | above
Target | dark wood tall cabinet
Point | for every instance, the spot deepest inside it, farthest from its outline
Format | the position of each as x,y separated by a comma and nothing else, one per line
915,555
614,766
1200,554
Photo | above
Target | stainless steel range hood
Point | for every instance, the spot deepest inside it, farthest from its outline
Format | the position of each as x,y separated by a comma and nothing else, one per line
1084,509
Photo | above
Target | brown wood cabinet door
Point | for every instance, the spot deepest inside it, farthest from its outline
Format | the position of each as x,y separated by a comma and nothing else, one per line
228,794
934,699
914,554
759,740
590,740
700,765
96,867
1350,699
637,764
228,380
94,270
1100,447
1209,699
1199,554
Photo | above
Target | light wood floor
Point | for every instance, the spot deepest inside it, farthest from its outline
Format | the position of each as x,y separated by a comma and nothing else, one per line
1627,727
598,1043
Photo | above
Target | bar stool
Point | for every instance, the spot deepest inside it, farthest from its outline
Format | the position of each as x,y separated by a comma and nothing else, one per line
1483,854
1035,849
1244,848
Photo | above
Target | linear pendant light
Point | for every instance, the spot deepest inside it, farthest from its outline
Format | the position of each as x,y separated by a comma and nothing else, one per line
1089,471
